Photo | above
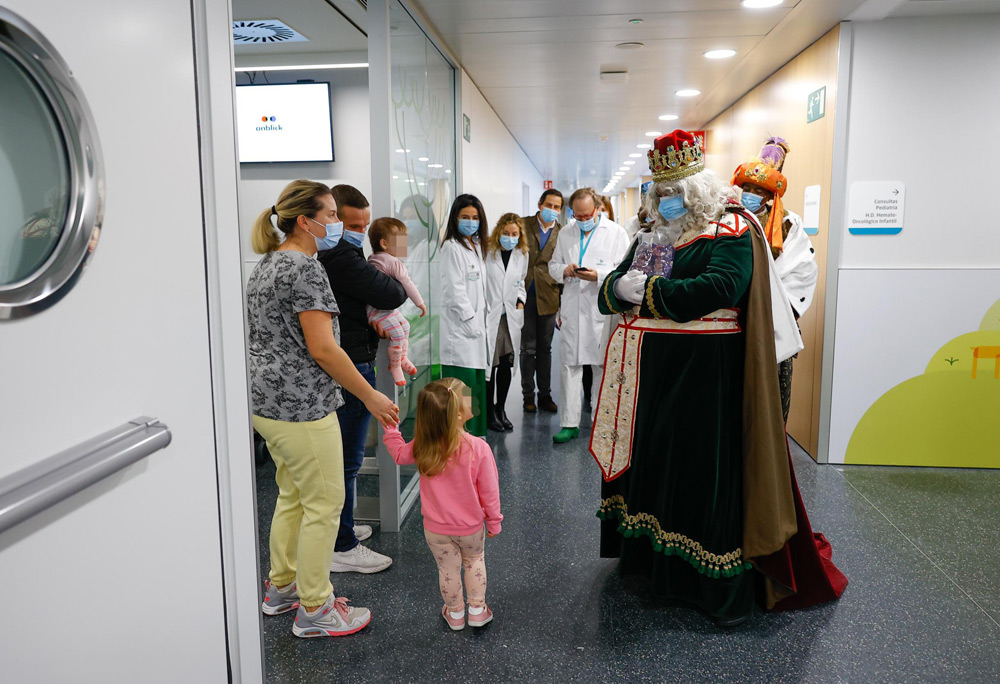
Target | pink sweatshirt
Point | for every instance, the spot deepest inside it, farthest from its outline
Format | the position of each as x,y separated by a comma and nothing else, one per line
394,268
467,492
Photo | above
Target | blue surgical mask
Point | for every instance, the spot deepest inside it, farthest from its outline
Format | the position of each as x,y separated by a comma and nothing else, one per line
334,231
549,215
588,225
509,242
468,227
672,208
751,201
355,238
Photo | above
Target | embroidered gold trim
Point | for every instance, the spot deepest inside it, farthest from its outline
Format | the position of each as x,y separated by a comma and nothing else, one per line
649,296
607,299
672,543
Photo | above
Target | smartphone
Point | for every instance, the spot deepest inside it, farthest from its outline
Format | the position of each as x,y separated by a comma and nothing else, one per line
580,269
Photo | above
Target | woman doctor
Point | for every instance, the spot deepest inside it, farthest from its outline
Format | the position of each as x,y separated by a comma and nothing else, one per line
464,352
506,269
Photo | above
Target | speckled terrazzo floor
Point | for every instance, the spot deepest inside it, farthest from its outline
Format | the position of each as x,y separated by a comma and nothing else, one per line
920,547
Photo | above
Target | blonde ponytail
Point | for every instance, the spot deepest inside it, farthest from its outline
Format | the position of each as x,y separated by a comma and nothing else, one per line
299,198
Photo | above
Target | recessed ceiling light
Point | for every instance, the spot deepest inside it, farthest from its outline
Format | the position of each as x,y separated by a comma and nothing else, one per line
635,21
402,151
629,162
689,92
653,134
423,158
631,45
447,170
435,166
421,184
668,117
720,54
395,177
760,4
636,155
643,146
623,168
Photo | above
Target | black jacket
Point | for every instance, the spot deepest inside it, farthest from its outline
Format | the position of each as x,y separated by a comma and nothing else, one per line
355,284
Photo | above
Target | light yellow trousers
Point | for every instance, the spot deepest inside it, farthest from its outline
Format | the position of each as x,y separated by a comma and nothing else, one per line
310,474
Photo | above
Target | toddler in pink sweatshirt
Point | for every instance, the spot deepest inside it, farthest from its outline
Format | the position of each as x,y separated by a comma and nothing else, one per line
388,238
459,494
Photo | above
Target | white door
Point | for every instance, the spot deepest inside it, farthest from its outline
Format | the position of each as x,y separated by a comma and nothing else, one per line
122,582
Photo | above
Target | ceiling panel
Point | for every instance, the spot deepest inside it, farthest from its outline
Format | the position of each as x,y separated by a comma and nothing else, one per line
327,30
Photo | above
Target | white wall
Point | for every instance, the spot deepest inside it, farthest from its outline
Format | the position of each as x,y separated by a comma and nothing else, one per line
494,166
923,103
260,184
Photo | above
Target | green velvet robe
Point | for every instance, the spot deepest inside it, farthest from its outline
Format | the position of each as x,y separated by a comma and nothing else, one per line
676,515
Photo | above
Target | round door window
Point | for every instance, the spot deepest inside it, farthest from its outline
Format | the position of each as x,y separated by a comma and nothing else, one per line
51,199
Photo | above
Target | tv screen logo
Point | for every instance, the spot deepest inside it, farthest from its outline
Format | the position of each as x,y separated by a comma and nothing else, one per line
267,126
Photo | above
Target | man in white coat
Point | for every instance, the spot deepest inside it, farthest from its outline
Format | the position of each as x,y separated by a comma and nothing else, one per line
587,250
763,185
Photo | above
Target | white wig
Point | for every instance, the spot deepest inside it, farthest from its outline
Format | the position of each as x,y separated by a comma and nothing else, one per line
705,195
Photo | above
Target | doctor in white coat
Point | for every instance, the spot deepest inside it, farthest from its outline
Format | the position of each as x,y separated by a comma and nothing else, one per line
588,249
506,270
464,349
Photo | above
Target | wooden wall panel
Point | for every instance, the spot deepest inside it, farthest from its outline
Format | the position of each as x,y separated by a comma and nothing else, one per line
778,107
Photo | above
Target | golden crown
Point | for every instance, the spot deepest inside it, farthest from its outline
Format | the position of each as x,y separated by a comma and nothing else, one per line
676,164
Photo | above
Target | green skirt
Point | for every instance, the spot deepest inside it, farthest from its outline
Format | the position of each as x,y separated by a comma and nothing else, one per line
475,378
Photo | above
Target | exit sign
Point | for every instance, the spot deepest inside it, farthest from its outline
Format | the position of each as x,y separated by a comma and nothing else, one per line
816,107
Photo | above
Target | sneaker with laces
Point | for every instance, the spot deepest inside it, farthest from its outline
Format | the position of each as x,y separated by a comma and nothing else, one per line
278,601
455,620
334,618
359,559
481,618
362,532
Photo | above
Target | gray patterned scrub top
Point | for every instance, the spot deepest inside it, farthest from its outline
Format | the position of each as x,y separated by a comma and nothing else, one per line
285,382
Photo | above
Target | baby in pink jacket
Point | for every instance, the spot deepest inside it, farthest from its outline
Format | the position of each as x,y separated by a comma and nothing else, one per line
388,238
459,494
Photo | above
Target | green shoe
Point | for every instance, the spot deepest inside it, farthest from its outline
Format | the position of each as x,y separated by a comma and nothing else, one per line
565,435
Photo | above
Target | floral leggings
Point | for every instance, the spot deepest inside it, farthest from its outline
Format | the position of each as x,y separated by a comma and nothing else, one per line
453,556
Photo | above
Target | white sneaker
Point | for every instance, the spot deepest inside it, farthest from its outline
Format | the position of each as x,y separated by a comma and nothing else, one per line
362,532
359,559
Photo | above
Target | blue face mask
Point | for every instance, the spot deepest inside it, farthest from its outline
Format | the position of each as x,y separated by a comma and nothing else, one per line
751,201
672,208
509,242
355,238
588,225
549,215
468,227
334,231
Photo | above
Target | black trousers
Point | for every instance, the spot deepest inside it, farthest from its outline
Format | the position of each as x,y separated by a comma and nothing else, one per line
536,350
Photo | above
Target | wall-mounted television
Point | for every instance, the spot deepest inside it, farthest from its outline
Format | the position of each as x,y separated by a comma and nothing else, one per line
284,123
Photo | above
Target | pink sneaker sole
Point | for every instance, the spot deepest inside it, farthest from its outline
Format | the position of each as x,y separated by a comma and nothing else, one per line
482,619
456,624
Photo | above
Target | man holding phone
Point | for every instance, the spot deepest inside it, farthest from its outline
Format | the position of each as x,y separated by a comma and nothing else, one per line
587,250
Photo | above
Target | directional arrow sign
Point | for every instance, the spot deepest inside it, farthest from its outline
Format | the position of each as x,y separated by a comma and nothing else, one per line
876,208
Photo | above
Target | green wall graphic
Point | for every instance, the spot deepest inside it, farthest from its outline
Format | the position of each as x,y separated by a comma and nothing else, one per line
947,417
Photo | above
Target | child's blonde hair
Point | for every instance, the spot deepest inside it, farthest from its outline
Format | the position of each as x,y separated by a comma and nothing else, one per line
438,432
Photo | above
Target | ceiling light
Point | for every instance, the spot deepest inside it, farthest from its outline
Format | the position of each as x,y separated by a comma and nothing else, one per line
636,155
421,184
303,67
395,177
643,146
635,21
689,92
629,162
447,170
435,166
623,168
668,117
631,45
402,151
760,4
653,134
720,54
423,158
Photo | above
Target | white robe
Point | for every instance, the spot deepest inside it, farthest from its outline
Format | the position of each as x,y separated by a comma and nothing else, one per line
504,288
582,322
796,265
463,310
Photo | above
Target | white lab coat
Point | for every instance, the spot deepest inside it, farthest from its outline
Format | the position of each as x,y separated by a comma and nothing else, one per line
796,265
463,310
504,288
582,322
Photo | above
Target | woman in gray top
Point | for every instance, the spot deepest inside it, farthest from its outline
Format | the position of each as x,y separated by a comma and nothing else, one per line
296,371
